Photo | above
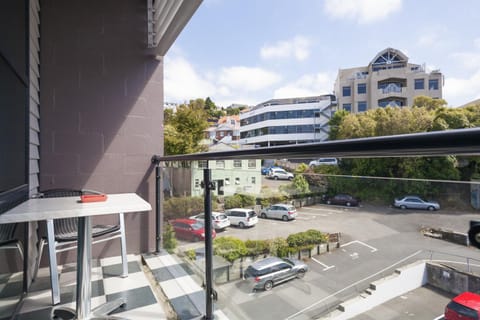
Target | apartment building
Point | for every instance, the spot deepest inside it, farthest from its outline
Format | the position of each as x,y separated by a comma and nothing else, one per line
287,121
388,80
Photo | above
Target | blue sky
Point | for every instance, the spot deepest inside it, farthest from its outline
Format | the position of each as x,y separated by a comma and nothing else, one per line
250,51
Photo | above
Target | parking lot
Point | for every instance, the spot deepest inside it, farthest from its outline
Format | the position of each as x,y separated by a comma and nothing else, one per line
374,242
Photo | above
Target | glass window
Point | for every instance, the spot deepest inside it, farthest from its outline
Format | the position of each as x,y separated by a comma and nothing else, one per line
254,180
433,84
362,106
362,88
227,181
220,164
237,180
237,163
252,164
197,183
419,84
346,91
203,164
347,107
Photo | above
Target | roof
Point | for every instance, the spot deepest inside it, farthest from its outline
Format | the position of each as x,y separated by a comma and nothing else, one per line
468,299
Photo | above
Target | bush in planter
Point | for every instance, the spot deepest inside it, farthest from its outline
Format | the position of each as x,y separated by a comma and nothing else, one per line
257,247
229,248
169,240
279,247
306,240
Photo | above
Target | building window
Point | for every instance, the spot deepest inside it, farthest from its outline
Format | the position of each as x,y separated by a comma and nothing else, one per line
347,91
203,164
433,84
362,88
237,163
197,183
347,107
227,181
419,84
253,180
362,106
237,180
220,164
252,164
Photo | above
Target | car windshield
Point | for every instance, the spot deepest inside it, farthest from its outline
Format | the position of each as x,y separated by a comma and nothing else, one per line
197,225
252,214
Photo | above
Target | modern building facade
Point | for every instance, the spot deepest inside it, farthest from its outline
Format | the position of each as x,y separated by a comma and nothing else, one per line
388,80
287,121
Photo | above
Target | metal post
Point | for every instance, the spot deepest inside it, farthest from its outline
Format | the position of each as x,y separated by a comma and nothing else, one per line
158,213
208,243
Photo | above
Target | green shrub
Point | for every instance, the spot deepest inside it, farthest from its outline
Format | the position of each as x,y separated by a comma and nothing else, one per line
229,248
306,239
182,207
169,239
257,247
191,254
279,247
239,201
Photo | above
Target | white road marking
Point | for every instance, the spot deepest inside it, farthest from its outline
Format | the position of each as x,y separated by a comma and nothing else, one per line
323,264
352,285
360,242
439,318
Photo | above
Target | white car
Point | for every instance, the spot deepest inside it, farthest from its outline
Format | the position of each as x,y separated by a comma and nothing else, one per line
324,162
242,217
220,221
279,174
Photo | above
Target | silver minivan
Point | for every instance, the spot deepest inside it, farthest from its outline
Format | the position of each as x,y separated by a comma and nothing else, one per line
242,217
282,211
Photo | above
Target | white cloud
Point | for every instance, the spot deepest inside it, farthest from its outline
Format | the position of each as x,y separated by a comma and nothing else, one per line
298,47
428,39
307,85
362,11
238,84
458,91
246,78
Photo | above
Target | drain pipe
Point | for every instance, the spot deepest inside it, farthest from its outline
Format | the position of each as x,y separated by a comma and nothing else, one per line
158,213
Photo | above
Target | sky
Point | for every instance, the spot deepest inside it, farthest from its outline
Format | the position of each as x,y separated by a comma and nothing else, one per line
251,51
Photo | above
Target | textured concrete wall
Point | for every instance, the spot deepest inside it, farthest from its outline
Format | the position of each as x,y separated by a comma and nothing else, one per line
450,280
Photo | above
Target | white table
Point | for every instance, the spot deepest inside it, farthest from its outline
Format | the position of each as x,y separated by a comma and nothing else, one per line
71,207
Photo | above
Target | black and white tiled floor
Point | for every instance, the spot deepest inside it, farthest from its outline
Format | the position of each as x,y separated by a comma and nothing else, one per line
107,285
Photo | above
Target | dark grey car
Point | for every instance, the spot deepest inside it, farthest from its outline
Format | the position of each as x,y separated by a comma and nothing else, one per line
266,273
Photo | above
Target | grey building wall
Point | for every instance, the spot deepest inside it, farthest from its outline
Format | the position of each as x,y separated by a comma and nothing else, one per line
101,108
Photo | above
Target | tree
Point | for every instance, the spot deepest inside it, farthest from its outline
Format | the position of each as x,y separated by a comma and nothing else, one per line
335,123
428,103
185,128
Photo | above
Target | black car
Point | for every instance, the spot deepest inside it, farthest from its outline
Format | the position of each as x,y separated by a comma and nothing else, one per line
342,199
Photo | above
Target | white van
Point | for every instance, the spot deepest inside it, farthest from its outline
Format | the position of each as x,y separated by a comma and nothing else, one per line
324,161
242,217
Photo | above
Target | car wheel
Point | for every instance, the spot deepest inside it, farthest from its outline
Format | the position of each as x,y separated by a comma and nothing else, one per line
348,204
431,208
403,207
263,215
241,225
290,178
329,202
285,218
300,273
275,178
268,286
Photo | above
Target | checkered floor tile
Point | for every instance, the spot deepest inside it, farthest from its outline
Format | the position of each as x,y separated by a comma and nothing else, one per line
107,285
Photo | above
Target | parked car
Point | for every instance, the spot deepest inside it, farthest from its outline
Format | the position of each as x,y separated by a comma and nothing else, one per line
220,220
343,199
279,211
324,161
465,306
190,229
242,217
266,170
415,202
266,273
279,174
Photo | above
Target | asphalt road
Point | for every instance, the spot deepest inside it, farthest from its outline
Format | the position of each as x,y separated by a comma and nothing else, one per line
375,241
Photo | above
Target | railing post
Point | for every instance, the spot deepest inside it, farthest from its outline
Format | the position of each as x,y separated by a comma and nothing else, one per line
158,211
209,293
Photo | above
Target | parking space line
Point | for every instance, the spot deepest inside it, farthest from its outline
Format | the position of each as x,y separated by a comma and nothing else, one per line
325,267
359,242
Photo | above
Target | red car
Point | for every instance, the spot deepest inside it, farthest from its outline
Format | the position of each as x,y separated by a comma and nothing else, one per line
465,306
190,229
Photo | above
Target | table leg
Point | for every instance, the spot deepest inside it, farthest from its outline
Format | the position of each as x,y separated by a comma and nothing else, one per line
84,267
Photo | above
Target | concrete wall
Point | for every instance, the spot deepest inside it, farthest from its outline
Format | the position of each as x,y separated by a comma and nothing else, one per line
450,280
